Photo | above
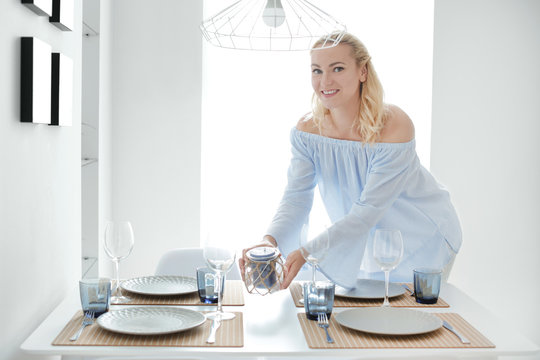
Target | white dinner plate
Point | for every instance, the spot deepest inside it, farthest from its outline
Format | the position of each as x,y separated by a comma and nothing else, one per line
370,289
389,320
161,285
150,320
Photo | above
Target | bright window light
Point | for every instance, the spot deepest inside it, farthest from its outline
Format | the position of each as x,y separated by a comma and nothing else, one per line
252,99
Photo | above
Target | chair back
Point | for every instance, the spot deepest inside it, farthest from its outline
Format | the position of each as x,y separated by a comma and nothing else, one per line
184,262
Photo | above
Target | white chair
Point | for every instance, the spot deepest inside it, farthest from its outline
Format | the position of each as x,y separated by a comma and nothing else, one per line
184,261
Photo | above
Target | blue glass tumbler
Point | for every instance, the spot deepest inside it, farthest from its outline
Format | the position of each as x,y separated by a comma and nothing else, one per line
427,285
206,285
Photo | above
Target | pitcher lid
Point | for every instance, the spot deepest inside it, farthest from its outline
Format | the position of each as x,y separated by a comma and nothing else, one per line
263,253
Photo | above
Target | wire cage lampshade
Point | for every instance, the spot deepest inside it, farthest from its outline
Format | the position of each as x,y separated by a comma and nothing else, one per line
272,25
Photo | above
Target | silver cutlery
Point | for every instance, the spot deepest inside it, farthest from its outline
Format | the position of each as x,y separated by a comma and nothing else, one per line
87,320
406,287
323,323
216,323
463,339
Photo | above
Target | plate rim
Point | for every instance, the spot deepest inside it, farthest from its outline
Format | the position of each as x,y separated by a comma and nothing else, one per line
398,284
201,320
366,309
192,279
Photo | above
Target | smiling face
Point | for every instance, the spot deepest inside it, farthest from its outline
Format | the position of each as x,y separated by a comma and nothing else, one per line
335,77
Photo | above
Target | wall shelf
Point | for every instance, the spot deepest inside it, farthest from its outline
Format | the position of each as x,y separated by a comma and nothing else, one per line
87,161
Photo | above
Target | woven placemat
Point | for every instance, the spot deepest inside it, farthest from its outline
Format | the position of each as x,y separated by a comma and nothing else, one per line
345,338
230,334
233,295
404,300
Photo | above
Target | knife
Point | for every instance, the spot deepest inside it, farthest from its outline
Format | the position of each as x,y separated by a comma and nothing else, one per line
406,287
216,323
451,328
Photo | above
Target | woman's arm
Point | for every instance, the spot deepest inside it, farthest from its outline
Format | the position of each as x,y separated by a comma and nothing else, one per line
295,205
389,170
390,166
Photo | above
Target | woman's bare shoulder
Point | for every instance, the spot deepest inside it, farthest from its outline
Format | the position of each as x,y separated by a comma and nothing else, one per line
398,127
306,124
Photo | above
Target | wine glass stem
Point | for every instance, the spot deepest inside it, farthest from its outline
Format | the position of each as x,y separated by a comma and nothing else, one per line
313,273
118,289
219,276
386,281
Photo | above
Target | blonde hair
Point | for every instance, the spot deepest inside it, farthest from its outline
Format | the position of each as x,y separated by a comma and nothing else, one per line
371,113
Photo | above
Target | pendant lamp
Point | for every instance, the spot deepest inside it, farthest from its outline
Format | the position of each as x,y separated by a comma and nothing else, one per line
272,25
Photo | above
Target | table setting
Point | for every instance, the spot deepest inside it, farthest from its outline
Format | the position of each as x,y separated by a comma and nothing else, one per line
370,293
154,326
186,315
364,329
372,323
177,290
365,321
147,316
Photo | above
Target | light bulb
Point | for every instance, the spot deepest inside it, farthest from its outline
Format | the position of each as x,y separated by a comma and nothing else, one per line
273,15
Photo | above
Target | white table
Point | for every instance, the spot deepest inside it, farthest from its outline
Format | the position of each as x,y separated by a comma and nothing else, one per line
272,330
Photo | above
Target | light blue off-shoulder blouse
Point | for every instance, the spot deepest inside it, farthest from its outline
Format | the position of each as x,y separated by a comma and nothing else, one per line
365,187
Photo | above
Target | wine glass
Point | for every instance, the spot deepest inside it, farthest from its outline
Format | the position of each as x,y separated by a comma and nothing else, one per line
387,251
220,259
313,250
118,243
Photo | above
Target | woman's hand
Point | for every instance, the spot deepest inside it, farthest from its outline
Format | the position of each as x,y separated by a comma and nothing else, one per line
267,241
293,264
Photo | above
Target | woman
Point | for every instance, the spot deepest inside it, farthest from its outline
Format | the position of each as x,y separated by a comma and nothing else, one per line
361,154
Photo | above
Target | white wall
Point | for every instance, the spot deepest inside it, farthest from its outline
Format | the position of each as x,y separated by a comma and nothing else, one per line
252,99
105,130
156,111
485,117
40,177
485,148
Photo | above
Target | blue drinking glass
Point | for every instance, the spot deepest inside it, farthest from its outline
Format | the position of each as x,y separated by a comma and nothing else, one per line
318,298
95,295
206,285
427,285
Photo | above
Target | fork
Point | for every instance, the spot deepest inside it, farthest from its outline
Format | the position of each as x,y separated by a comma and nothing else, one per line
323,323
87,320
